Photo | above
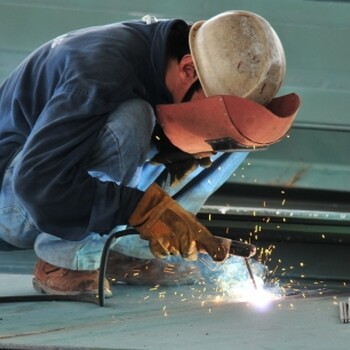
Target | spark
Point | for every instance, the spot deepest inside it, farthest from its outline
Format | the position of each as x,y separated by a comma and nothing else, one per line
224,210
161,294
154,288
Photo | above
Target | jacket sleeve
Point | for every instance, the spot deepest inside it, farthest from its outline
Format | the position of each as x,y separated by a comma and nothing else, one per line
51,181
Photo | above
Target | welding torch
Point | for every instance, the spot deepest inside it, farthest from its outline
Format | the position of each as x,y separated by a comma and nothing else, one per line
242,249
237,248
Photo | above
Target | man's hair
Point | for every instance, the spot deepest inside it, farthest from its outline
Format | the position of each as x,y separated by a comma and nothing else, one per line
177,47
177,43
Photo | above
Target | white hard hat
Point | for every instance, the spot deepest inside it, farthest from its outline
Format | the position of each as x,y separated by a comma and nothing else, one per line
238,53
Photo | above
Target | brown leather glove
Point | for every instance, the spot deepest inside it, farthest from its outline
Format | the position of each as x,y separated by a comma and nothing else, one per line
172,230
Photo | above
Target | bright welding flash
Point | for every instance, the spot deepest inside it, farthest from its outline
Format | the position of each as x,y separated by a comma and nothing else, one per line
258,296
261,298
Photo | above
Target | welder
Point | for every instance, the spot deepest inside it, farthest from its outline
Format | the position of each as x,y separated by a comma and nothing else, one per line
133,124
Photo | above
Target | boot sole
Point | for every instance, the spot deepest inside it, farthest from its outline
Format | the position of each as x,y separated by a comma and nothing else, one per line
41,288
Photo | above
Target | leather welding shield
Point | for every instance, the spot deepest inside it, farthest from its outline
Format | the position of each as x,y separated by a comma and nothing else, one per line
227,123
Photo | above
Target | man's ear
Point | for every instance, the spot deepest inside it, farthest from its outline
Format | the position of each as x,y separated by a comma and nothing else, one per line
187,69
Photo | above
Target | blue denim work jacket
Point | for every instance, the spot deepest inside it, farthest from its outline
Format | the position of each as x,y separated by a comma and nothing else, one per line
52,108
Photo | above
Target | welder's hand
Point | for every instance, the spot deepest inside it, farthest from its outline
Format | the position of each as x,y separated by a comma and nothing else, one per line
180,164
172,230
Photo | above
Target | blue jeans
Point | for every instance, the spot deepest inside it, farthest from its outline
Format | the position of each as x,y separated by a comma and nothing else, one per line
121,155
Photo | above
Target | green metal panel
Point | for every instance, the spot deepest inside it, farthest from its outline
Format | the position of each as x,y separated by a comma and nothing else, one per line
315,35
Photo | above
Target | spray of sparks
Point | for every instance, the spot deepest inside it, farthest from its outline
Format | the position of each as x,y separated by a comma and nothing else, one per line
230,281
234,284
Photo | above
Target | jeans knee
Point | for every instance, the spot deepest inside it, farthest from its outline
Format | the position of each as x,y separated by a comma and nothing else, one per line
138,119
123,144
132,123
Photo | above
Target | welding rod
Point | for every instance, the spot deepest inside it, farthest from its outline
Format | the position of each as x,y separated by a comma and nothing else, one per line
244,250
250,272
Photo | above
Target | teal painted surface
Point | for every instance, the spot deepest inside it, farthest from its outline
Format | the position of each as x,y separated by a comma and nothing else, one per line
316,39
185,317
315,35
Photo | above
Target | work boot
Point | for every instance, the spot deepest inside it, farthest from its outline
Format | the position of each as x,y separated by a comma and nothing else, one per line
50,279
151,272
